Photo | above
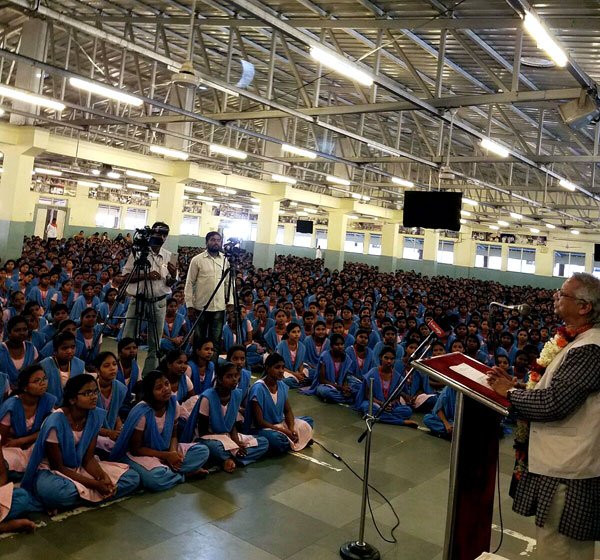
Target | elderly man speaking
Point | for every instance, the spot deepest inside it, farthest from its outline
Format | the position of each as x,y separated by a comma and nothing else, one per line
561,483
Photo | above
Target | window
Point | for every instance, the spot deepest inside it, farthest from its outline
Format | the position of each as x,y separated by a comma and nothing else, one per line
190,225
375,245
322,238
52,201
302,239
280,234
521,260
596,272
354,242
135,218
253,230
565,264
108,216
413,248
488,256
445,252
236,229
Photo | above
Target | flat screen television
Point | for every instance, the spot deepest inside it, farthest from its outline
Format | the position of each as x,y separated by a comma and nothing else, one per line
432,209
304,226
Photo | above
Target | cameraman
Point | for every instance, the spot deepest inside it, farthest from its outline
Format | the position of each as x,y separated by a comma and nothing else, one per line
159,279
204,273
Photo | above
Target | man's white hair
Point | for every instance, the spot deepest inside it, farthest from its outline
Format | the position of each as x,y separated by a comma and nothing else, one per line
588,290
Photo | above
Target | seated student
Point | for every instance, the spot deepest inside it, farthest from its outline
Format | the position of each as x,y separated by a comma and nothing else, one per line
315,345
174,328
360,355
294,353
438,348
111,398
253,351
521,368
148,441
350,327
59,313
128,372
308,324
333,383
365,324
473,349
112,327
22,415
501,360
237,356
89,332
441,419
4,386
34,335
174,365
385,381
276,333
86,300
14,504
42,293
329,317
417,392
16,352
269,413
64,326
216,415
62,365
261,324
64,296
337,327
16,307
201,369
390,338
63,471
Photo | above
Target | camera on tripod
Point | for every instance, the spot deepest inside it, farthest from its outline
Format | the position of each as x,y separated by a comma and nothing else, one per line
146,237
232,248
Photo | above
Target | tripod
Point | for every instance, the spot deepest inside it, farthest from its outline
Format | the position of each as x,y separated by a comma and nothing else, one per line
144,302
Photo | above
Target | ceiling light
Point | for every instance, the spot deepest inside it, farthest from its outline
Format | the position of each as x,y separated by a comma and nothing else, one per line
567,185
153,195
337,180
550,226
402,182
298,151
255,209
535,28
492,226
205,198
107,185
503,223
95,172
227,151
283,179
516,216
281,212
384,149
2,111
342,66
106,92
465,213
470,201
185,197
138,174
575,231
44,171
191,189
255,200
301,213
494,147
235,205
352,217
86,184
225,190
32,98
463,221
310,210
534,230
135,187
293,203
113,175
168,152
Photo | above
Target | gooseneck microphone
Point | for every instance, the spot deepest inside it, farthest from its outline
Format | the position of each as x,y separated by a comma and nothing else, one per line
522,308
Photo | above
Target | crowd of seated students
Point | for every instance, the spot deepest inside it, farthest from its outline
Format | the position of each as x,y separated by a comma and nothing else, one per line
79,425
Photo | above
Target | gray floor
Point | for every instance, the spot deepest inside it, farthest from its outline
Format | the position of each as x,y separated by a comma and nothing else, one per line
287,507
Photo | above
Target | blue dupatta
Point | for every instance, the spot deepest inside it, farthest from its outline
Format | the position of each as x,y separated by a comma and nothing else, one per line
273,413
7,365
368,363
4,383
202,385
133,377
14,406
53,374
284,350
377,387
219,423
312,355
117,398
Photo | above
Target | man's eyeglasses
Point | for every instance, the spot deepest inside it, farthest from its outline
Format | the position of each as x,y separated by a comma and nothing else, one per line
563,295
89,393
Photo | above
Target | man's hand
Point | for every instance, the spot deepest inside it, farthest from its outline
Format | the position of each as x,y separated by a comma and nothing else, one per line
154,275
172,269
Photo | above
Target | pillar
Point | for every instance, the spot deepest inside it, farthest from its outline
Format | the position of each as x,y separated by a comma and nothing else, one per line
504,254
82,214
15,184
336,239
169,208
544,261
390,247
266,230
366,243
208,221
289,233
464,249
431,241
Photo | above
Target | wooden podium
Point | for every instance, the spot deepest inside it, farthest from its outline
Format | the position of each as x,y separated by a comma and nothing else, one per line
474,453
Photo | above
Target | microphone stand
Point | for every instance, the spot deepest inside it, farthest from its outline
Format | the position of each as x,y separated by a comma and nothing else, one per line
359,549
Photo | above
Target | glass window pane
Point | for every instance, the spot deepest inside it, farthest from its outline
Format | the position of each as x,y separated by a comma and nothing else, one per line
375,245
445,253
135,218
190,225
354,242
413,248
108,216
565,264
322,238
302,239
279,238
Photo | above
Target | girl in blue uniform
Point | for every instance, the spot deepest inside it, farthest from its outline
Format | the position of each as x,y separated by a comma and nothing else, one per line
293,352
17,352
201,369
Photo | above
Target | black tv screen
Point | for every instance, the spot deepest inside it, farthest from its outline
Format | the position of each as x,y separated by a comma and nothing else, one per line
432,209
304,226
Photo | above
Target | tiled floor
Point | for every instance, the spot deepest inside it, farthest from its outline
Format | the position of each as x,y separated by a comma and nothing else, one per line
287,507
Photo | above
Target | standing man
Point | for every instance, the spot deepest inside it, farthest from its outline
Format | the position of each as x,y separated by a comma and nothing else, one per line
561,481
204,273
150,290
51,230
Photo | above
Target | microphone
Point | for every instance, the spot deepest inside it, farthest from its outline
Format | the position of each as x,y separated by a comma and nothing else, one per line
435,328
522,308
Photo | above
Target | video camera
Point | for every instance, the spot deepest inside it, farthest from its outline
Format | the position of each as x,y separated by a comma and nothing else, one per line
146,237
232,248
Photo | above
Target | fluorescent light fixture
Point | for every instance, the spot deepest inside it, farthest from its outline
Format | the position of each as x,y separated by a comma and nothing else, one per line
463,221
113,175
87,184
310,210
255,209
550,226
196,190
494,147
283,179
225,190
107,185
205,198
168,152
503,223
384,149
281,212
219,87
337,180
105,92
298,151
342,66
1,169
255,200
185,197
575,231
402,182
534,230
301,213
465,213
470,201
293,203
135,187
359,196
567,185
235,205
352,217
516,216
44,171
153,195
495,228
535,28
138,174
227,151
2,111
32,98
95,172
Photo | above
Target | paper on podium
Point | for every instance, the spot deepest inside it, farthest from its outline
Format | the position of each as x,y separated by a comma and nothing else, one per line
470,372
